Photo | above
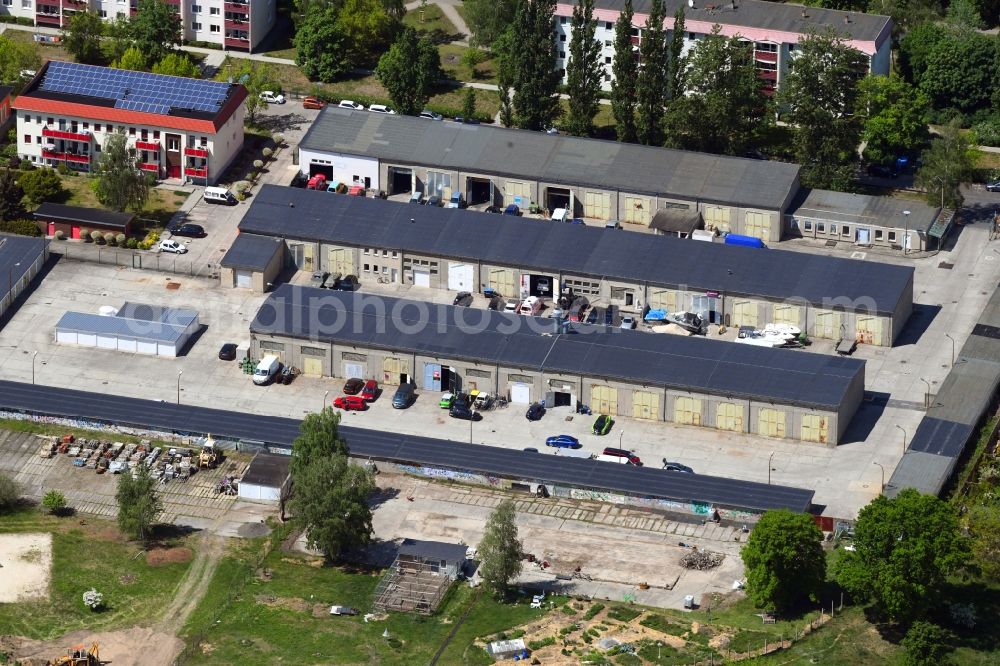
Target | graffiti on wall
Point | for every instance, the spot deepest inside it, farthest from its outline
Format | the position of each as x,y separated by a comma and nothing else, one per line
461,476
86,424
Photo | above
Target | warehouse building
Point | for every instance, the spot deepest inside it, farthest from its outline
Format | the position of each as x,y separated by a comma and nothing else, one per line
253,262
590,178
689,381
463,250
136,327
866,221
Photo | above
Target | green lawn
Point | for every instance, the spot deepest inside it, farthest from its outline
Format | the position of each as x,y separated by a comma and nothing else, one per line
162,204
430,21
85,556
451,63
286,618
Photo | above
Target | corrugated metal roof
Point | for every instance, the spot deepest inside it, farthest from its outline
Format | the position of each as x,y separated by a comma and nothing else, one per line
863,209
604,165
512,341
235,424
251,251
450,552
576,249
134,320
267,470
17,254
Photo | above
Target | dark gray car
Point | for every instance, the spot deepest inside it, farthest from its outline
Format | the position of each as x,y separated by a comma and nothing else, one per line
403,397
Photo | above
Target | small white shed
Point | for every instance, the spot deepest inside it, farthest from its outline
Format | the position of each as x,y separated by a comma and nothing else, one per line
136,327
266,479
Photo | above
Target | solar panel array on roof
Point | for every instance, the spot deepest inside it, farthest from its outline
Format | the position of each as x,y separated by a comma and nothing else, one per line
135,91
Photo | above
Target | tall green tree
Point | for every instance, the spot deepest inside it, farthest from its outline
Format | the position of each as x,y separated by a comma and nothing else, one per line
319,438
321,47
177,64
906,13
584,71
725,108
962,72
82,37
536,81
784,560
369,30
132,59
155,30
330,501
488,19
16,57
409,71
625,71
11,197
139,503
895,116
915,49
469,104
116,37
256,77
504,53
820,94
500,550
40,185
963,15
651,87
926,644
947,163
10,493
905,549
984,530
675,53
120,185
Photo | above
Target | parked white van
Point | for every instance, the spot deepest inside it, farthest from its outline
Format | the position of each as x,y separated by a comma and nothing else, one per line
266,370
621,460
220,195
532,305
559,215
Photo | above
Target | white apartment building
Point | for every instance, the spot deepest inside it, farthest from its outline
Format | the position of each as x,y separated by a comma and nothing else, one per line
773,28
232,24
182,129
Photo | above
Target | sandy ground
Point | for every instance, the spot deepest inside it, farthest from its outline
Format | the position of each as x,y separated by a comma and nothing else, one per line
128,647
26,560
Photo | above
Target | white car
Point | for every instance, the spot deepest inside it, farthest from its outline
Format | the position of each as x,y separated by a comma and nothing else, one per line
628,322
348,104
272,97
381,108
430,115
787,330
172,246
511,307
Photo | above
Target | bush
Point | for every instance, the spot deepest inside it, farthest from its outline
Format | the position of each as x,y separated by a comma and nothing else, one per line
258,164
267,152
85,235
545,642
93,599
14,162
10,492
54,501
96,236
279,138
20,227
988,132
132,243
109,238
594,610
59,235
241,186
623,613
40,185
120,240
26,165
64,170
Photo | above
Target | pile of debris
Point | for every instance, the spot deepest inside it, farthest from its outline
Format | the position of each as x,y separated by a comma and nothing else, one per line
701,559
116,457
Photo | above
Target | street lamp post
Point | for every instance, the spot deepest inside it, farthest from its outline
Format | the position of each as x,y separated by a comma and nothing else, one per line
325,396
179,373
769,467
620,435
33,355
906,232
472,418
10,283
927,396
904,438
952,349
881,487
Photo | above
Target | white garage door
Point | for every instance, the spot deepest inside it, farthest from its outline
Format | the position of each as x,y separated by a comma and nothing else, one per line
244,279
520,393
66,337
107,342
354,370
146,347
460,277
421,279
252,491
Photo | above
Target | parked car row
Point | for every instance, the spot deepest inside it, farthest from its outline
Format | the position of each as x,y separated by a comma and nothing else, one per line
325,280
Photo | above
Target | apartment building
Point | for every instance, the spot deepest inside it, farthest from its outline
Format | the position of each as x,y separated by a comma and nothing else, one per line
232,24
185,129
774,29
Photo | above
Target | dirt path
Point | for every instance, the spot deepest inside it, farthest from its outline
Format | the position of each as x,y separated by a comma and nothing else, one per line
194,585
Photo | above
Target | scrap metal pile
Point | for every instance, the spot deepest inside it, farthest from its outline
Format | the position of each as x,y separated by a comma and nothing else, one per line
701,559
115,457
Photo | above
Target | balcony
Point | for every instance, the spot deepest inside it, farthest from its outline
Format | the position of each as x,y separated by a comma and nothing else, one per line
767,75
634,40
68,136
151,167
238,7
147,145
52,19
191,151
236,24
66,157
196,173
765,56
238,42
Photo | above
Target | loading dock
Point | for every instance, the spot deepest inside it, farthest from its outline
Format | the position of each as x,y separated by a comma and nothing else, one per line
325,169
400,180
559,197
480,191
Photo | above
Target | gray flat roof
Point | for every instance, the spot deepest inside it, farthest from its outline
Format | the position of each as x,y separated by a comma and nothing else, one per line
574,249
513,341
251,252
17,253
783,17
377,445
450,552
134,320
863,209
603,165
267,470
96,216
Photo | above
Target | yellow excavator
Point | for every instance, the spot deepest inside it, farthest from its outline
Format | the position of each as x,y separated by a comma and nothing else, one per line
209,456
79,655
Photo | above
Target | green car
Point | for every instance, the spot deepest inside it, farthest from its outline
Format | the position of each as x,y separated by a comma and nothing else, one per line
603,424
447,400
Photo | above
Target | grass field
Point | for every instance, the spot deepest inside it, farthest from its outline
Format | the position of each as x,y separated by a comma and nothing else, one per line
451,63
432,22
46,50
285,618
87,554
160,206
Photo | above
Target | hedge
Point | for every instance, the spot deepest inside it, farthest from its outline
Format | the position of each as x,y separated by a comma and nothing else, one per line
20,227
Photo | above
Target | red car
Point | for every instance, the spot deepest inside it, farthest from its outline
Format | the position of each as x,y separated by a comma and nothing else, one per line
370,391
313,103
350,403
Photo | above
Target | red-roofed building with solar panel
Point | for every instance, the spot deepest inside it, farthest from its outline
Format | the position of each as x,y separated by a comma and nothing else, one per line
182,129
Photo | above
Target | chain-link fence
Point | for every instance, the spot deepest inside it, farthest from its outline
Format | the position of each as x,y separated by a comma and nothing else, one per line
152,261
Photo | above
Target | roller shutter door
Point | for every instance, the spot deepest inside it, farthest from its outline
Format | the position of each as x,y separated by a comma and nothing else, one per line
66,337
146,347
421,279
244,279
687,411
127,345
604,400
107,342
460,277
354,370
520,393
90,340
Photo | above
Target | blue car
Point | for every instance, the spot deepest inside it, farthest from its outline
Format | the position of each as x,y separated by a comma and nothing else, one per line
563,442
512,209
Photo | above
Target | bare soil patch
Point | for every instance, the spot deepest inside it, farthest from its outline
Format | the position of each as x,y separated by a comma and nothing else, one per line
288,603
137,646
158,557
27,566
